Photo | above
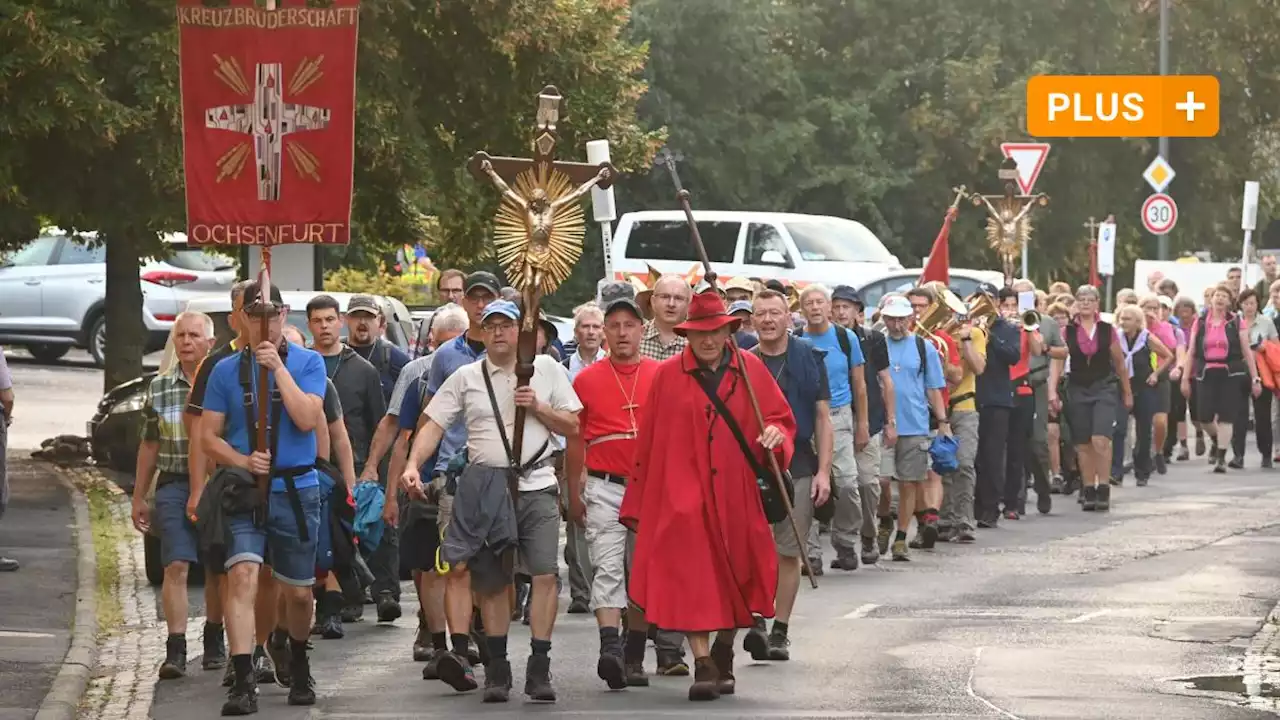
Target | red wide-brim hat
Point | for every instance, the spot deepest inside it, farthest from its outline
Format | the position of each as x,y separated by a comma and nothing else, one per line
707,314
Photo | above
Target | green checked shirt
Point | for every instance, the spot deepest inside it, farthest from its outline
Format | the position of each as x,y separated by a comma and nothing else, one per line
162,410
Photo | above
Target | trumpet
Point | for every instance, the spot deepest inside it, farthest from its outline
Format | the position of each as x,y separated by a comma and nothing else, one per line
1030,320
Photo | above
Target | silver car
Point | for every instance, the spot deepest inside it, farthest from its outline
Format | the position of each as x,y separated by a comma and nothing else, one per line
53,292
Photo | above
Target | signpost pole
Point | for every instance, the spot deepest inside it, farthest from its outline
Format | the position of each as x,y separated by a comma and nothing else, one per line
1248,221
1162,241
603,209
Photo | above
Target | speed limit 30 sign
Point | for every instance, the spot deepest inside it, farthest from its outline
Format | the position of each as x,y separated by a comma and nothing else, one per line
1159,214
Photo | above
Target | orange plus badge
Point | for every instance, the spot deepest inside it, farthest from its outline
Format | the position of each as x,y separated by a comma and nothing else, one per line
1122,106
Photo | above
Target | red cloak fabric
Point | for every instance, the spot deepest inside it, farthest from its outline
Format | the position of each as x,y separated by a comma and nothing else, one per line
705,557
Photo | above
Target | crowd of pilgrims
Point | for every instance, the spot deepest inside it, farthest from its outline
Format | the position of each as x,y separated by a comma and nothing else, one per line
687,447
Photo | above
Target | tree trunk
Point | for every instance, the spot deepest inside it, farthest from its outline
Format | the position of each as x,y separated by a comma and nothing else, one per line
126,333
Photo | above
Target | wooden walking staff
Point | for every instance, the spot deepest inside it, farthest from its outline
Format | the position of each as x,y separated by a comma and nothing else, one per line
539,229
709,276
263,309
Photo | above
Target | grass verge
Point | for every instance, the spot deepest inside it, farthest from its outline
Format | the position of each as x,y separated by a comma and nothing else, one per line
108,533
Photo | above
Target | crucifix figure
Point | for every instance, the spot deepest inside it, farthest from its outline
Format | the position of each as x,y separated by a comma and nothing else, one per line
1008,224
539,228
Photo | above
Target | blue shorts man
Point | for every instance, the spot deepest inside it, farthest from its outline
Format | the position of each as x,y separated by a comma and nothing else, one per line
292,519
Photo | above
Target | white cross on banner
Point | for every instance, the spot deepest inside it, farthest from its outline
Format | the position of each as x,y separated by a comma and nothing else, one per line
1030,159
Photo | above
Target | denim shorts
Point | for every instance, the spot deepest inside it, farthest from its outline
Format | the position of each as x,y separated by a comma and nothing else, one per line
178,541
293,562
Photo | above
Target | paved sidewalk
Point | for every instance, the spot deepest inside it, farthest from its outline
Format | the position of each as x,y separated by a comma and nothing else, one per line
37,603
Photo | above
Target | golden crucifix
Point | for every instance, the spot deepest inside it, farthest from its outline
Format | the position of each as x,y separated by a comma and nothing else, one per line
539,228
1008,221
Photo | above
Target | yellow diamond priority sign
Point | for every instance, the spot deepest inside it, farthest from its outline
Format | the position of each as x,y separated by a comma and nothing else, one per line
1159,174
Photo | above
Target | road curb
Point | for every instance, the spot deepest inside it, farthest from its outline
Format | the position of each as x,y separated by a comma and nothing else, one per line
63,700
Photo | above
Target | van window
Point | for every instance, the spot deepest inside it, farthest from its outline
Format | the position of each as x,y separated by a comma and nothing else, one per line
77,252
836,240
662,240
762,238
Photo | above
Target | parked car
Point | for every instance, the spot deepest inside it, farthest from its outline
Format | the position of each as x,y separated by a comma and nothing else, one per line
963,282
799,249
53,292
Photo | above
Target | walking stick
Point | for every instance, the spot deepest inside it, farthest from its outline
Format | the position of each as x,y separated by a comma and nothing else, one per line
264,376
710,276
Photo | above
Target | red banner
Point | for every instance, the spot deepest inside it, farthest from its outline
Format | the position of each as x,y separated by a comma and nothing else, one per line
268,120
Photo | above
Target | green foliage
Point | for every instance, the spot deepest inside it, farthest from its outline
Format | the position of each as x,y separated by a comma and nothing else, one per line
355,280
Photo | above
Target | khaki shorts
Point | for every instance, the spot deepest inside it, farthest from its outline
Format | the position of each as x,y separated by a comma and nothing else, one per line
783,536
907,460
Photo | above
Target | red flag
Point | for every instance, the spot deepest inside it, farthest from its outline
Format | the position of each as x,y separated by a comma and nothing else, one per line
939,267
1094,280
268,100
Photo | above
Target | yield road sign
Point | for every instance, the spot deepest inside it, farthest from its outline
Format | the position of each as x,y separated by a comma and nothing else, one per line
1159,214
1029,158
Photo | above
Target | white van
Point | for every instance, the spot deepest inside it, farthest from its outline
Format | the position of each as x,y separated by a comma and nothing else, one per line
797,248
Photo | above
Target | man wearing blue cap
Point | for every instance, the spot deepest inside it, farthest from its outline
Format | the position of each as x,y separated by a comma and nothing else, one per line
487,525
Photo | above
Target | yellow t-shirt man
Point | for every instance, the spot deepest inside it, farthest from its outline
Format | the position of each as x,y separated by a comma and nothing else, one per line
964,391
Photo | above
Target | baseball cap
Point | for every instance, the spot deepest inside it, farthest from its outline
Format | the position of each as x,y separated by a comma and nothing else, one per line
483,279
363,304
775,285
549,327
506,308
252,305
988,289
848,294
617,296
1166,301
739,306
897,307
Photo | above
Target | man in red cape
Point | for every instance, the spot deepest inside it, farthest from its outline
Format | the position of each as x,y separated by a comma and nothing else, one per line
705,558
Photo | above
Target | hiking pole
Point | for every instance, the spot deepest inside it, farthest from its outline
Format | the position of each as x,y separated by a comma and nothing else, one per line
710,276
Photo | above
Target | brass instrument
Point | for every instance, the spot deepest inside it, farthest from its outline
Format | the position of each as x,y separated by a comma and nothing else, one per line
981,308
1030,320
943,315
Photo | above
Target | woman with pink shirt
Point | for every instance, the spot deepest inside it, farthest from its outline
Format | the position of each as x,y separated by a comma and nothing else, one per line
1219,360
1164,332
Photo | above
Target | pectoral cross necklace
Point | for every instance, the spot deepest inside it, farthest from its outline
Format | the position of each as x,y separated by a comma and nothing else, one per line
630,405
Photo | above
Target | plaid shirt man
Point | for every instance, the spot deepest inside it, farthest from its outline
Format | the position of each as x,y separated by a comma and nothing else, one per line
162,419
651,344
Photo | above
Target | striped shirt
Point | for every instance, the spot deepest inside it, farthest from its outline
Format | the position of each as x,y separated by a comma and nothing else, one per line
162,411
651,344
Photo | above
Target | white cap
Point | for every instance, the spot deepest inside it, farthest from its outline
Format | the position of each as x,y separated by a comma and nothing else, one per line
897,307
1166,301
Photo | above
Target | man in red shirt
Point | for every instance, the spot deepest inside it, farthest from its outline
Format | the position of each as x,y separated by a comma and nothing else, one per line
598,463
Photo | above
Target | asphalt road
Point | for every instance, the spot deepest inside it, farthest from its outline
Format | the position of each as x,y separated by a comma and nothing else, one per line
54,399
1074,615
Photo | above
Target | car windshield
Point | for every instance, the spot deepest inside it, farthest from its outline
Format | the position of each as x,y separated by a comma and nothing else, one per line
836,240
186,257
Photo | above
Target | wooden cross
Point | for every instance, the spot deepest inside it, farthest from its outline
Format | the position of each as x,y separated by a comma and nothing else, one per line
1092,227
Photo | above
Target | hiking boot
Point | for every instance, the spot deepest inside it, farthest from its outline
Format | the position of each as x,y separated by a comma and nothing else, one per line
278,650
1104,498
1140,481
900,551
1199,444
636,676
706,681
388,608
917,542
815,564
779,646
963,536
1162,466
929,531
756,641
175,658
672,665
422,649
1089,498
1183,453
8,564
352,613
302,689
457,673
883,535
537,679
722,656
242,698
847,563
1237,463
331,628
1056,485
1220,462
497,681
215,647
611,669
264,671
870,552
578,607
